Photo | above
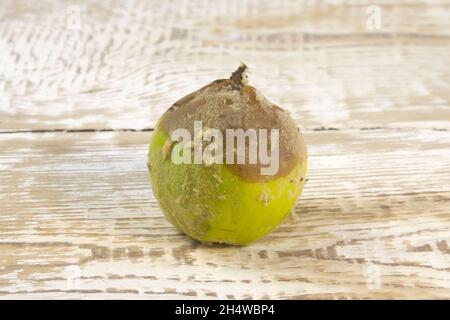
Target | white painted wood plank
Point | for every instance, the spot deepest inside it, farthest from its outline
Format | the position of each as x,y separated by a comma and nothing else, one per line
78,220
127,62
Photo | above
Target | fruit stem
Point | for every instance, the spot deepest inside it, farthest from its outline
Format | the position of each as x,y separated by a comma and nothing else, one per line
239,77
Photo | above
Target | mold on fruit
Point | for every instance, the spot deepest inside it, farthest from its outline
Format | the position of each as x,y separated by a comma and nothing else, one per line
209,197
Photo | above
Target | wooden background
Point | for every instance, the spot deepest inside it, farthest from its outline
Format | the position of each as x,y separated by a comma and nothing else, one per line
83,82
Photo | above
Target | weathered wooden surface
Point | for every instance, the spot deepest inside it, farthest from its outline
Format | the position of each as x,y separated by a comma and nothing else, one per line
120,64
373,222
77,215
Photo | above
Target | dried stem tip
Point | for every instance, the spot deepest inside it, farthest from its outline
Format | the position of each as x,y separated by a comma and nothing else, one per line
239,77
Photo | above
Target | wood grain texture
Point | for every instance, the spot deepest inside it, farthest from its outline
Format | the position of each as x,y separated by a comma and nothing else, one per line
78,220
77,215
120,64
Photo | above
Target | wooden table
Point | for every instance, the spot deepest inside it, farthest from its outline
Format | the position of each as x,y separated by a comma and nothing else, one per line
82,86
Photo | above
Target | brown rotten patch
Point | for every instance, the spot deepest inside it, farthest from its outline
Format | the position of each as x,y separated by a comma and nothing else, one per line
233,104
